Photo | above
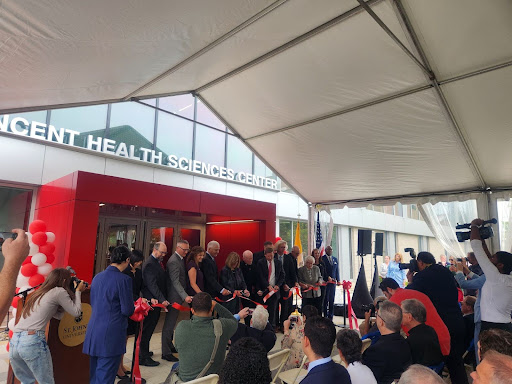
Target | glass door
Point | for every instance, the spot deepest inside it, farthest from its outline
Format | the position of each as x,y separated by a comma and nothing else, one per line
160,231
113,232
193,233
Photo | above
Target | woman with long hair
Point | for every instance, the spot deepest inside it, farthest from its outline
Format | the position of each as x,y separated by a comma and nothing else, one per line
232,278
394,271
320,264
28,352
195,282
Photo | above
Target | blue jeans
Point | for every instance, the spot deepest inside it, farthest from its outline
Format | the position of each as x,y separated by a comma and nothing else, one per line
30,358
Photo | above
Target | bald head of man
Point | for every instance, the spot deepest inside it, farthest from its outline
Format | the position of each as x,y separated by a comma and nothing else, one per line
159,250
247,257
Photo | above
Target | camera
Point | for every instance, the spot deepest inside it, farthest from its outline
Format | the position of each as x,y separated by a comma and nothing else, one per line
368,307
75,280
485,231
411,265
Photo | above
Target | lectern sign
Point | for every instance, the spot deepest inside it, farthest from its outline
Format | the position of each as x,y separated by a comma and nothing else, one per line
72,329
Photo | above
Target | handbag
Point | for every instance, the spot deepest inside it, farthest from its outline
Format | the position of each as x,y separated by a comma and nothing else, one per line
174,378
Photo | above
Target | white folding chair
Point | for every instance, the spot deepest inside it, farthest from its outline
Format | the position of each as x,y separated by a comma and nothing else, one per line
295,375
277,360
210,379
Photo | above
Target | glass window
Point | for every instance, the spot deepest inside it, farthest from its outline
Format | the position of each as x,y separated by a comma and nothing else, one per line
210,145
260,169
285,231
39,116
174,136
133,124
182,105
90,120
205,116
239,156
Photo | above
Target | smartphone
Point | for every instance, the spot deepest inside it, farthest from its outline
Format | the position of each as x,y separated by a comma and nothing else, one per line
6,235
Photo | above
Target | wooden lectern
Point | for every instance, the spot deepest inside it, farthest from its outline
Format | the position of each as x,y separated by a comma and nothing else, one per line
65,340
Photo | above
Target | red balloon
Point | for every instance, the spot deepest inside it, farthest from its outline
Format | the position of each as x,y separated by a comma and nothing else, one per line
39,238
47,248
50,258
17,290
277,239
7,347
37,226
36,280
10,334
29,270
15,302
28,260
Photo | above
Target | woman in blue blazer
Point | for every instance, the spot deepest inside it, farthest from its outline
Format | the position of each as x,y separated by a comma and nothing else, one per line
112,305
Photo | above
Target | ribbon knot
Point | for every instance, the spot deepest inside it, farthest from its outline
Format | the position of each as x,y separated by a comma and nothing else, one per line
346,285
141,310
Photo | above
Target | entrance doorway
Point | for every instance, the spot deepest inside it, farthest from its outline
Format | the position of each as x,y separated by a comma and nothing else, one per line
141,227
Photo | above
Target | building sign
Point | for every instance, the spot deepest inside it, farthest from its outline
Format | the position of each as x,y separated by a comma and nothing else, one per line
72,329
22,127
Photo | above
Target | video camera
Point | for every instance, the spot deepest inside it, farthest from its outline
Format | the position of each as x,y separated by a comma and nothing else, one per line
485,232
413,264
75,280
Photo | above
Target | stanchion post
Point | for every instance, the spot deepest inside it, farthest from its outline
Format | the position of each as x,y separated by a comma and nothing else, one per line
344,309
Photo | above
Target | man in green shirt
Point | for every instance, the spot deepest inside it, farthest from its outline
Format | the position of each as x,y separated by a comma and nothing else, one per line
194,339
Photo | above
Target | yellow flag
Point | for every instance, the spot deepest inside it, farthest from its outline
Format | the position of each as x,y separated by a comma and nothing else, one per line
298,243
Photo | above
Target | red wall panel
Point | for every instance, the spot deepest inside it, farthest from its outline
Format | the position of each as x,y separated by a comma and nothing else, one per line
57,191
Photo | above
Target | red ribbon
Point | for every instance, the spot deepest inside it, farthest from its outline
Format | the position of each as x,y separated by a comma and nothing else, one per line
255,302
228,300
346,286
180,307
142,309
269,295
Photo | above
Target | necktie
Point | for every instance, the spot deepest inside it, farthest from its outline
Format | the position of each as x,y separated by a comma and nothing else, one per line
269,271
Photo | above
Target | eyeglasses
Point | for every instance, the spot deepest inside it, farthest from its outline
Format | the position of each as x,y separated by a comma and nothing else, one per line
381,318
184,249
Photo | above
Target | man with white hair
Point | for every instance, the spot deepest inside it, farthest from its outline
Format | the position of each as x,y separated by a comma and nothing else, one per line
495,368
211,271
419,374
260,329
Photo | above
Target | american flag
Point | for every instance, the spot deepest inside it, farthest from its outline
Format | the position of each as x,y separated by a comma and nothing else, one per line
319,239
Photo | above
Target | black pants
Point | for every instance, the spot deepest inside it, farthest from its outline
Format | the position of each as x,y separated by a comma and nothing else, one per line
149,326
486,325
285,308
273,306
454,360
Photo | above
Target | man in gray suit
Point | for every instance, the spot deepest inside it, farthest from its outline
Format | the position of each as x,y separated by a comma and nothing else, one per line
176,284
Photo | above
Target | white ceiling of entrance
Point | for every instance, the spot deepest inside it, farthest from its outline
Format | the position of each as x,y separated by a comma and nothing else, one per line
345,100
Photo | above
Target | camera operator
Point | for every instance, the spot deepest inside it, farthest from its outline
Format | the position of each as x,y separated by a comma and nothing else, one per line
438,283
28,352
496,300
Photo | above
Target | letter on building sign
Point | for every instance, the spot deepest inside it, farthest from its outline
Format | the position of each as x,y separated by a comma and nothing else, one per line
96,143
4,123
55,136
38,130
182,161
14,128
145,153
156,159
72,135
172,161
109,146
122,150
231,174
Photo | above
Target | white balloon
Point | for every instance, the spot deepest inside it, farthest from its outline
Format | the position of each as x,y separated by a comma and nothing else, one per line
51,237
11,324
25,287
33,249
22,280
44,269
29,235
39,259
14,311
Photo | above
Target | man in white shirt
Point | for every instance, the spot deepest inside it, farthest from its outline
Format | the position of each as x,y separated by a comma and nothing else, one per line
383,270
496,301
270,277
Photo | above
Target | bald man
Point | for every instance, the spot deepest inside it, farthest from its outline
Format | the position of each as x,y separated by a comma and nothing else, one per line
154,286
248,268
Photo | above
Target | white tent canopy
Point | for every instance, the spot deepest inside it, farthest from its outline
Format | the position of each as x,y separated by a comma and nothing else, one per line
345,100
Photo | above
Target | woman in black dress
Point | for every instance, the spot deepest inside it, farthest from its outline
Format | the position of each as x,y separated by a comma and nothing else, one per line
320,264
232,279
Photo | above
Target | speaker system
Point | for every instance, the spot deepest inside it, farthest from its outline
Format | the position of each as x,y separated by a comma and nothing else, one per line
364,241
379,243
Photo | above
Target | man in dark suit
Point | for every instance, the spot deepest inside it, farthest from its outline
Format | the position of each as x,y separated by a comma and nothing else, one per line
290,279
332,273
112,304
155,286
438,283
248,268
261,254
211,271
270,278
390,356
176,285
319,337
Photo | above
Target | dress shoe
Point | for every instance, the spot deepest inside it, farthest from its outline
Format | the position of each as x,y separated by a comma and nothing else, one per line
170,357
149,362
